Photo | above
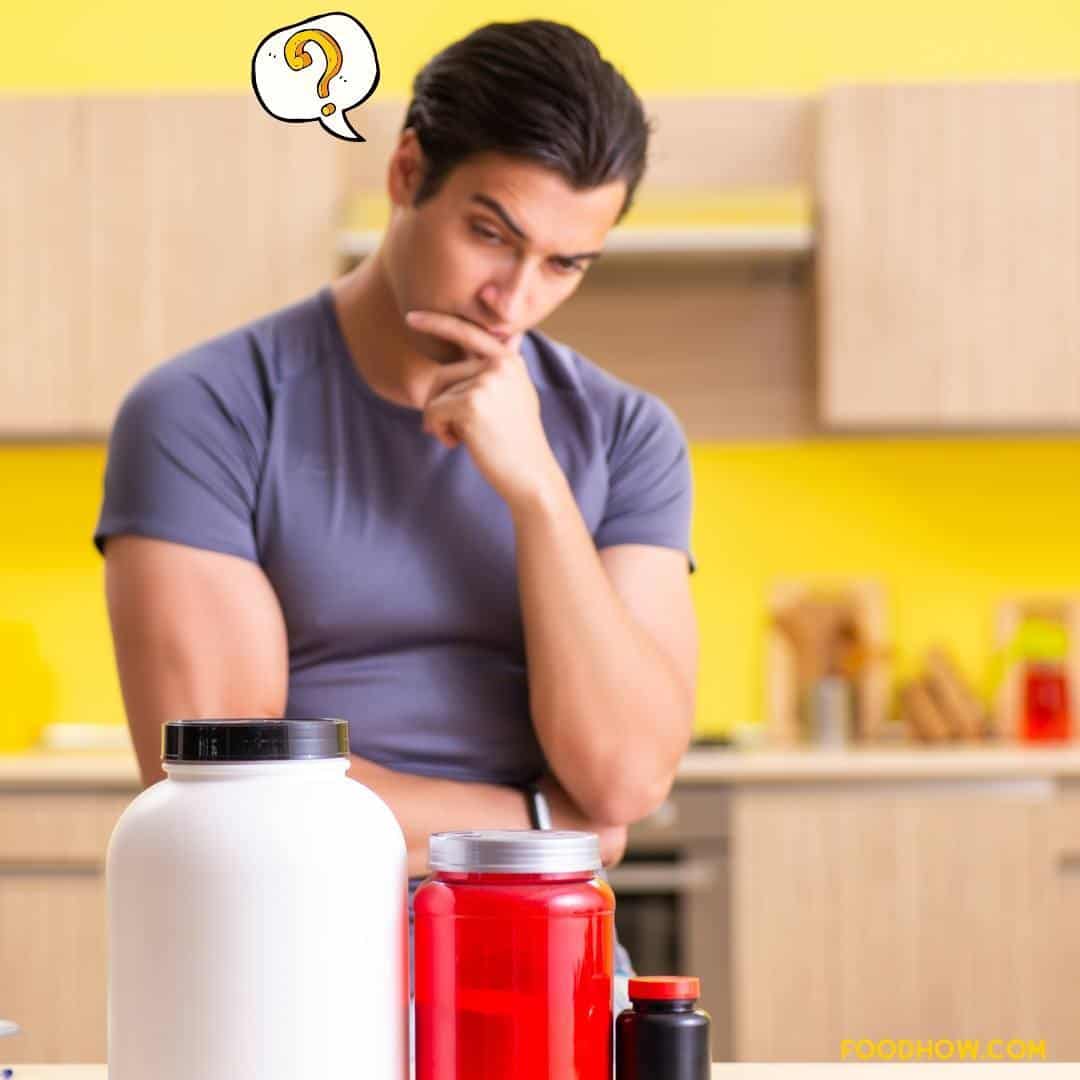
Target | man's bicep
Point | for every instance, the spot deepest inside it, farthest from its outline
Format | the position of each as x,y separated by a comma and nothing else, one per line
653,584
196,633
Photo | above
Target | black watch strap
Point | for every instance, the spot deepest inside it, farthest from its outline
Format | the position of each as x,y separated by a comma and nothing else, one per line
536,801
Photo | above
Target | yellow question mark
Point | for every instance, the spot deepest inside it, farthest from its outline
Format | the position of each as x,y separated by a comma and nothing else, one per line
297,59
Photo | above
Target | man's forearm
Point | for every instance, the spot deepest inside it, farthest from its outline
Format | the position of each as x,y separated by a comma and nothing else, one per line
609,707
424,804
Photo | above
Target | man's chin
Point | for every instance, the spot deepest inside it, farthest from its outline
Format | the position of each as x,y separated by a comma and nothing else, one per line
445,353
437,350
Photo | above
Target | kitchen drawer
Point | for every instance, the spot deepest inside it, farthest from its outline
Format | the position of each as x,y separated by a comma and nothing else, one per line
687,815
57,827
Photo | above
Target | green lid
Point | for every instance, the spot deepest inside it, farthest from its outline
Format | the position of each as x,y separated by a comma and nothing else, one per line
1040,639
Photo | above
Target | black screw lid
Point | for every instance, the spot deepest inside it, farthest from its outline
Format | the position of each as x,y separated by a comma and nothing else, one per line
253,740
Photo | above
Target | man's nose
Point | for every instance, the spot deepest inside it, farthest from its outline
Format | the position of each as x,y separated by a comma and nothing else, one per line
508,295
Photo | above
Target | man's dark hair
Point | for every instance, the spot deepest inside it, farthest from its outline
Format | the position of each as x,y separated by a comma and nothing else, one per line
535,90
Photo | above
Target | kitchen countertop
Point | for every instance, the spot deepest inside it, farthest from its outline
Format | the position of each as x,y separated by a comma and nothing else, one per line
701,765
114,770
728,1071
973,761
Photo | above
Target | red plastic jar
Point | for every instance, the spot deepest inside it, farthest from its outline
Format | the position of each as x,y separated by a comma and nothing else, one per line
514,953
1046,703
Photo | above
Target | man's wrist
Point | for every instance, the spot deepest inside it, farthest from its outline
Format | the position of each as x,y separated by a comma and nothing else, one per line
546,493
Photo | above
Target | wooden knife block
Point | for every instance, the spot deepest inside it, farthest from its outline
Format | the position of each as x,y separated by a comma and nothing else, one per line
872,686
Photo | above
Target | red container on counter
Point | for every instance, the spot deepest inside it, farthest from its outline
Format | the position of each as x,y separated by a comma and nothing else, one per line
514,954
1042,647
1046,702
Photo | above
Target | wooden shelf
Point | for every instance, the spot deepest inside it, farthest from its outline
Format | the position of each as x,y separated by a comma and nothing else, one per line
735,241
742,223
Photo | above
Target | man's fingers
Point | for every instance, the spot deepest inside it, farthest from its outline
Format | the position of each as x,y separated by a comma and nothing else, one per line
445,418
445,432
471,338
451,374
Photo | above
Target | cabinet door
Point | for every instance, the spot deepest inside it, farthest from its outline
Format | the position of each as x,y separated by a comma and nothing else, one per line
52,962
44,258
883,914
133,228
52,923
1063,1005
948,261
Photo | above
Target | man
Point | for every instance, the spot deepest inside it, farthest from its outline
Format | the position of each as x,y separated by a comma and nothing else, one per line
396,502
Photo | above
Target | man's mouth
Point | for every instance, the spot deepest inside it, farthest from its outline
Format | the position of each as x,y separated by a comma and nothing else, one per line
503,337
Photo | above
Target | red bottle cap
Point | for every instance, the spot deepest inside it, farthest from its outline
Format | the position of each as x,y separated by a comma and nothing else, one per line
664,988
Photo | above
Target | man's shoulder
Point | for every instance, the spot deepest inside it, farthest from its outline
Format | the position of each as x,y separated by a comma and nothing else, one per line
618,404
559,367
271,348
237,373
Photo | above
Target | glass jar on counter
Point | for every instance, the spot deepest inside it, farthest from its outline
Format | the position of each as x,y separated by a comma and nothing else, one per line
1042,648
1046,702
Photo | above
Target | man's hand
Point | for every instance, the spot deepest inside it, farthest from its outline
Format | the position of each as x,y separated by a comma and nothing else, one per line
488,402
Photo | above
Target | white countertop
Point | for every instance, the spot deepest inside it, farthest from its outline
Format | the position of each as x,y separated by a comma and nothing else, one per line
117,771
730,1071
971,761
70,768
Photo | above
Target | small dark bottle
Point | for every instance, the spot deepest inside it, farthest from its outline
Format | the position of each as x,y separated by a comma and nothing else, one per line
663,1037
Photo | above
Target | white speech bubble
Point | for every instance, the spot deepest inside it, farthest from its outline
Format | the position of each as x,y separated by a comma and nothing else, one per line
316,70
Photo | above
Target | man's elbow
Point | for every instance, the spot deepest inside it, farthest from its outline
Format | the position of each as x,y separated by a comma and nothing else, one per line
634,793
626,803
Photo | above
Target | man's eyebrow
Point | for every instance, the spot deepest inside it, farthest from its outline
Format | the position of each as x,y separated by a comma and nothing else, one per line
497,208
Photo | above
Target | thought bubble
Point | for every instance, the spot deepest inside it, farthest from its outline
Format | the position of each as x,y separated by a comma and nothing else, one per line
316,70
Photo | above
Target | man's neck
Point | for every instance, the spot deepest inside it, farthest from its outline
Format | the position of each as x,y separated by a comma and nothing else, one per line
376,336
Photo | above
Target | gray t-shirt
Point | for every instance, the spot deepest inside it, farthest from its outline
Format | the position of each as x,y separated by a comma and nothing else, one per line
392,558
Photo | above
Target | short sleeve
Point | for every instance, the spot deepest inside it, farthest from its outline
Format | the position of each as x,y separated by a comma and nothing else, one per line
182,466
650,485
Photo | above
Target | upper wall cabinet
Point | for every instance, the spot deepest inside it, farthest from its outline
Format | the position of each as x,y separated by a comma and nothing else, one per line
949,256
132,228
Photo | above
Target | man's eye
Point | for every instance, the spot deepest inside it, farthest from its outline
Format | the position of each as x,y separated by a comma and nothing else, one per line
487,234
568,266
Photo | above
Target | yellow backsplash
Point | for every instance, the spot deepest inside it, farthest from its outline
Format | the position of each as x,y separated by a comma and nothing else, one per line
949,526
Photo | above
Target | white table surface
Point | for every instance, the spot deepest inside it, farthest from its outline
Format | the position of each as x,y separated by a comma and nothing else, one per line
837,1071
116,770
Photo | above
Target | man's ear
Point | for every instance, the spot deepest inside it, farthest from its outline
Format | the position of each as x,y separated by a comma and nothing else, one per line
405,172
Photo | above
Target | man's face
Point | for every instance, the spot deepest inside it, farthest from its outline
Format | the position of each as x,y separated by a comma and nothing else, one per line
502,244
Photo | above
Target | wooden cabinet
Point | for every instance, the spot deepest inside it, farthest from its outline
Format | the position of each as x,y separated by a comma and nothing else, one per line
52,921
194,214
943,287
1063,925
903,911
813,910
948,262
133,228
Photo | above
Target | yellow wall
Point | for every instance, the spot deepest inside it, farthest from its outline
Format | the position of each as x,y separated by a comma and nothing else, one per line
685,46
54,639
948,525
